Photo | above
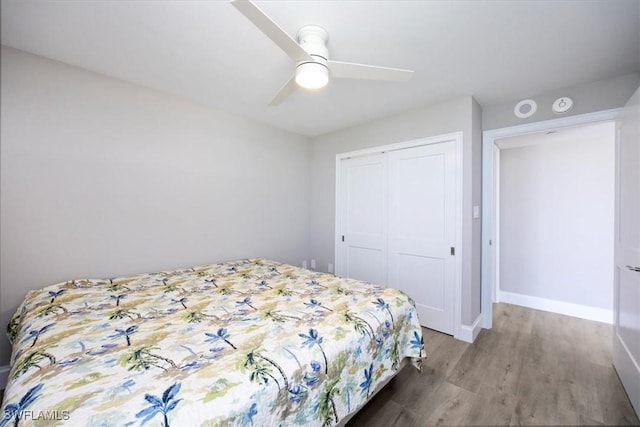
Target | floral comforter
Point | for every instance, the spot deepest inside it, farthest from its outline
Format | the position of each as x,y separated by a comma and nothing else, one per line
251,342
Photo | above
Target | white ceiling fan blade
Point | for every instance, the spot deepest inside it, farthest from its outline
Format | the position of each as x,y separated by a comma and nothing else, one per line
348,70
271,30
286,90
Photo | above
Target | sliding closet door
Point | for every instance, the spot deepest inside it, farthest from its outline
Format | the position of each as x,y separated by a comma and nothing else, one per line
421,232
397,226
362,251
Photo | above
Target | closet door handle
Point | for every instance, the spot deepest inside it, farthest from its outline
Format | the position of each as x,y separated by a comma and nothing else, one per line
636,269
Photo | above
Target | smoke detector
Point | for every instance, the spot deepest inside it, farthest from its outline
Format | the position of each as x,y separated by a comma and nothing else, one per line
525,108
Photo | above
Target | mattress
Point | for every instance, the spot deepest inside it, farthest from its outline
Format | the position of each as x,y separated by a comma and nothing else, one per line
249,342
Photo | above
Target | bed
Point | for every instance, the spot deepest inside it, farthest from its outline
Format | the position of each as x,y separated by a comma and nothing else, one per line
249,342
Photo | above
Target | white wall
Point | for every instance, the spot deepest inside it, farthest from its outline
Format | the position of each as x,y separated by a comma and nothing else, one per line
102,178
556,217
461,114
588,97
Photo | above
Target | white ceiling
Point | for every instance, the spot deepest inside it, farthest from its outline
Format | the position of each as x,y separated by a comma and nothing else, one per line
208,52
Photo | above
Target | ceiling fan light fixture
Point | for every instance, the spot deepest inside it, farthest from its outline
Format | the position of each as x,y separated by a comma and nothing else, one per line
310,52
312,75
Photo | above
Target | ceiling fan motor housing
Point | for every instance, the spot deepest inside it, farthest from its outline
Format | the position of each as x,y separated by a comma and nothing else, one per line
313,39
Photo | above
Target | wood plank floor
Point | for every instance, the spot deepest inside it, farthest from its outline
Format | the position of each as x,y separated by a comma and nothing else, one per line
532,368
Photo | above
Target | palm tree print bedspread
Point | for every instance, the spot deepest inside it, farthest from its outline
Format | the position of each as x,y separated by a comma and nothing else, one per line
251,342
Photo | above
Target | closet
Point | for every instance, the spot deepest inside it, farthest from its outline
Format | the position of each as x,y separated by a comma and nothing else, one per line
397,223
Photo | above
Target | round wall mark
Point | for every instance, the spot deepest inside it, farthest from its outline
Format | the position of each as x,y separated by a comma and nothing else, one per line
525,108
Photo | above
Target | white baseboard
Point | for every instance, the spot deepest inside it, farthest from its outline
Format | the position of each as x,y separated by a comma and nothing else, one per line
4,376
560,307
469,333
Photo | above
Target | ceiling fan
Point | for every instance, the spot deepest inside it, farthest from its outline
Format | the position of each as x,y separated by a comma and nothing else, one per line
310,52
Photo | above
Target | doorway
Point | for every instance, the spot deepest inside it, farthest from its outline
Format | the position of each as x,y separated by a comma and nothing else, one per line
491,238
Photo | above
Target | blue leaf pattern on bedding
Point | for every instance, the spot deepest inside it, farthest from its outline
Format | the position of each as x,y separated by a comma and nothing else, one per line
366,384
417,342
250,342
314,339
162,405
15,410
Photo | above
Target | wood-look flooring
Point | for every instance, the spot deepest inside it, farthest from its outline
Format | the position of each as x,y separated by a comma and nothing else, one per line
532,368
